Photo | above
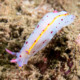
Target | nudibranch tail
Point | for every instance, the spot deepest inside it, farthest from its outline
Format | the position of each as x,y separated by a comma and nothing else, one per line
10,52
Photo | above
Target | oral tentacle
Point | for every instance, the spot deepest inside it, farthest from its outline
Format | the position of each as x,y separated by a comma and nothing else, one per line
13,60
10,52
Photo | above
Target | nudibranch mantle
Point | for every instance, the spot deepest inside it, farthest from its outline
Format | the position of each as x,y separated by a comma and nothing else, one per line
48,26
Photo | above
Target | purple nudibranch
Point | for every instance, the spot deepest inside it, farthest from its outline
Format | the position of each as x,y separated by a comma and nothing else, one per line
48,26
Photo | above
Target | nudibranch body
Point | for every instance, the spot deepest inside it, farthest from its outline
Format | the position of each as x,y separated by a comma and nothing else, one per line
48,26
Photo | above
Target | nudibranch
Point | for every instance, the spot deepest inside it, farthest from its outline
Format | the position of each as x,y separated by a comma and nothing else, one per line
48,26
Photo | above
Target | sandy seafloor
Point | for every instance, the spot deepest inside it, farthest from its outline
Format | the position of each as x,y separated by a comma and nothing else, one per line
59,60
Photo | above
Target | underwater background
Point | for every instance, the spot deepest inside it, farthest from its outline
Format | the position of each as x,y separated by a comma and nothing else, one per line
59,60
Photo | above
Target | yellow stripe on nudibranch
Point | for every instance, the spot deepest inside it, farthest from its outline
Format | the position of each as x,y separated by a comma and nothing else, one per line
44,31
